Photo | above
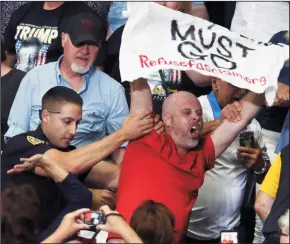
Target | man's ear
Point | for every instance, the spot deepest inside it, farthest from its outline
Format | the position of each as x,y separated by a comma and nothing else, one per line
167,119
44,116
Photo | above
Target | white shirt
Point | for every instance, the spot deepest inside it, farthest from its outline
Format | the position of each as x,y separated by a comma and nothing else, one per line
260,20
219,199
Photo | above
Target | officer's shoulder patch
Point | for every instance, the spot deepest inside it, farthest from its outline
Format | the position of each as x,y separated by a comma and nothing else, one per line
34,141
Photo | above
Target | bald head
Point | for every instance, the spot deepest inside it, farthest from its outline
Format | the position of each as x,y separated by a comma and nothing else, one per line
182,116
175,100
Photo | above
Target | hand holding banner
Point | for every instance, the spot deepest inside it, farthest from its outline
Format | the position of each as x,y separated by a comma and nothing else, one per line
156,37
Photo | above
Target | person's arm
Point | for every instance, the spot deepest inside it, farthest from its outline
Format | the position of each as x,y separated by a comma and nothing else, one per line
225,134
116,224
75,193
77,196
51,167
20,113
66,182
200,11
82,159
104,175
198,79
103,197
118,113
282,95
141,97
263,205
210,126
71,224
117,155
268,190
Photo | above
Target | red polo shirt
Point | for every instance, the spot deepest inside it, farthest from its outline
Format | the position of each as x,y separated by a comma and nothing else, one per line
153,170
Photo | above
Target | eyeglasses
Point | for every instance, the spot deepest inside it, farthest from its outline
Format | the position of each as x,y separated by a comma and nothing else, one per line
50,111
53,111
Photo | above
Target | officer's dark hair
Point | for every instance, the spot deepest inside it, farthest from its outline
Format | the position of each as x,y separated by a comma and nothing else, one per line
59,95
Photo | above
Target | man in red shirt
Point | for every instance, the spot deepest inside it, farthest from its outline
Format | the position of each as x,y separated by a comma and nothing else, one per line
169,168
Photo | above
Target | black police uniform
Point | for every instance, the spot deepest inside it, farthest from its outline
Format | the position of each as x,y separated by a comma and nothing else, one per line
54,197
271,228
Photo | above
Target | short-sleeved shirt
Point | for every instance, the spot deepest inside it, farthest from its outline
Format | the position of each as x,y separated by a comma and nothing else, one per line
104,109
153,170
271,182
24,146
34,34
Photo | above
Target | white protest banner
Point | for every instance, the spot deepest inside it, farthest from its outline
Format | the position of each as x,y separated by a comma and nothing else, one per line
156,37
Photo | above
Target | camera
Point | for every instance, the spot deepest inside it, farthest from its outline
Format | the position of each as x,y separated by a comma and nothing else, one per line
247,139
94,218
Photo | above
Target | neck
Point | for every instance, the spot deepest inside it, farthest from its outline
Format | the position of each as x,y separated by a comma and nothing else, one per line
44,131
181,151
52,5
5,69
218,99
67,72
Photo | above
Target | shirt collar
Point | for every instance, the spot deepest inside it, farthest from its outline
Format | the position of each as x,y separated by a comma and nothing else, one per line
40,134
216,109
59,76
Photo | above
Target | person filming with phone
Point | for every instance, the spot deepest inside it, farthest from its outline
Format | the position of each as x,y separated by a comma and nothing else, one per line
229,176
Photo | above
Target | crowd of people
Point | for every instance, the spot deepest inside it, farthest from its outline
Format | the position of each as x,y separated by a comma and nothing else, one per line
165,159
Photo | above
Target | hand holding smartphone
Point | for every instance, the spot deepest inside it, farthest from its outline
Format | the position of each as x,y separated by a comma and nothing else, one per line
94,218
247,139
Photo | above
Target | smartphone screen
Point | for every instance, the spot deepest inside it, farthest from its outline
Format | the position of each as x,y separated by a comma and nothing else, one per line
229,237
247,139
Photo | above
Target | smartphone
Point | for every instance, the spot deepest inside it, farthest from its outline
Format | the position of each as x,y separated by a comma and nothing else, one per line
229,237
247,139
94,218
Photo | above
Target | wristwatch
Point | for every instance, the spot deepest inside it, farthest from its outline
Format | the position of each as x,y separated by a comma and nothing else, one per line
264,169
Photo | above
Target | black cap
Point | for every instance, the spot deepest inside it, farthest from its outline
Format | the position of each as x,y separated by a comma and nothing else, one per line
85,28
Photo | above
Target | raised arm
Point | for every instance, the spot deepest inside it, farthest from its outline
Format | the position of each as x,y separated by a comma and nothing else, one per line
225,134
141,97
198,79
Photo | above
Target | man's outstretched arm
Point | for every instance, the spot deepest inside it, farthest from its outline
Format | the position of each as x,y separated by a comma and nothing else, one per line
225,134
82,159
141,97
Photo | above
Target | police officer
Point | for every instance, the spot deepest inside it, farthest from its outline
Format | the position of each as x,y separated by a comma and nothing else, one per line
61,113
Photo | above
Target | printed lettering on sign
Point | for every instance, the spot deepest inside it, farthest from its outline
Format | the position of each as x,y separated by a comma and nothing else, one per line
184,42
